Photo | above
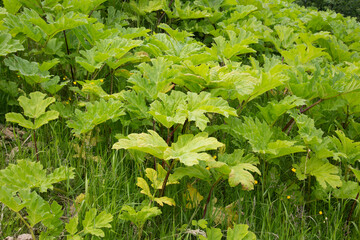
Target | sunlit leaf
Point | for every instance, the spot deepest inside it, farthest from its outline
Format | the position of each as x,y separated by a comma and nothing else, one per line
189,149
322,170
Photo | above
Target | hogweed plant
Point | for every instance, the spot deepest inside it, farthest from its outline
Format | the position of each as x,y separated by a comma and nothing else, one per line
269,88
35,109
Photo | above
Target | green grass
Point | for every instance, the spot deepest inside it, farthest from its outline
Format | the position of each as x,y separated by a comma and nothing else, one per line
110,183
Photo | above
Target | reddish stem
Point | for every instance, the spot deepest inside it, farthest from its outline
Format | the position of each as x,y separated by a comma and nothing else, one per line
209,196
291,122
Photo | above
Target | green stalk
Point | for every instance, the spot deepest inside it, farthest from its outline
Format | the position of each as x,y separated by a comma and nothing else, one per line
140,231
35,146
27,225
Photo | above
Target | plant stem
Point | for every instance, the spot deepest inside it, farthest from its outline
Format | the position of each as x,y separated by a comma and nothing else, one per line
162,191
345,124
35,146
27,225
171,134
68,53
140,231
163,14
291,122
350,214
209,195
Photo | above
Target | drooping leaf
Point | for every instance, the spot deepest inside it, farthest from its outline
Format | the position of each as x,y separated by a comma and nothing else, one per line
189,149
193,197
157,177
198,104
348,190
321,169
19,119
37,208
237,168
240,174
9,45
10,199
31,70
141,183
165,200
356,173
54,85
283,147
150,143
95,114
307,129
273,110
192,171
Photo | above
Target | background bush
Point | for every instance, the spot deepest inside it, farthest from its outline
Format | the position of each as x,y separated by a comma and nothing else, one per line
345,7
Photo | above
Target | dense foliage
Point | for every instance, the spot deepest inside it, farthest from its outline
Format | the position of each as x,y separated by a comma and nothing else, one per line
346,7
179,119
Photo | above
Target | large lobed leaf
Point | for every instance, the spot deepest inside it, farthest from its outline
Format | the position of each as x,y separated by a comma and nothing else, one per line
150,143
177,107
95,114
188,149
9,45
28,175
138,217
93,222
321,169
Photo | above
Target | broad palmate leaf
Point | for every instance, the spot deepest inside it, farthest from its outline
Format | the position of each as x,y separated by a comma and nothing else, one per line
32,71
177,107
150,143
95,114
188,149
93,222
321,169
346,146
237,168
28,175
34,107
240,232
138,217
9,45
